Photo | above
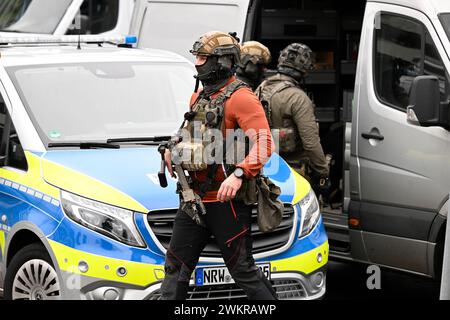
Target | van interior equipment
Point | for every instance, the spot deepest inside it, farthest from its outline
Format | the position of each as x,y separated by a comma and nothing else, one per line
332,30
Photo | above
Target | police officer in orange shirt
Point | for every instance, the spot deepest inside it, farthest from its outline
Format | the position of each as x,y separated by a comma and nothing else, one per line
228,214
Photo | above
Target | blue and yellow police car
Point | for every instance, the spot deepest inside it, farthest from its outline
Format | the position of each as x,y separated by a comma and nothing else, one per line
82,217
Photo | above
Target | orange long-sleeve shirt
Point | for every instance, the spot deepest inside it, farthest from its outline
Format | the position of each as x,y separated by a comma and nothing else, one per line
242,110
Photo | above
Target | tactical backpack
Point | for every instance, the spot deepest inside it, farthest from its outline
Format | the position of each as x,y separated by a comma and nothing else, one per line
287,135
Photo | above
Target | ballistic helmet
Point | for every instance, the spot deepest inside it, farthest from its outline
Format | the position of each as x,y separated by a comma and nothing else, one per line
223,55
255,52
254,59
297,56
217,43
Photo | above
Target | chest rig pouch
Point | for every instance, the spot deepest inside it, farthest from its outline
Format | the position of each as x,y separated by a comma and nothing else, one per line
190,150
284,130
196,151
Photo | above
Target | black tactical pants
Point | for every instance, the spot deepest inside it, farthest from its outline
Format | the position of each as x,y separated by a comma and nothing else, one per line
230,224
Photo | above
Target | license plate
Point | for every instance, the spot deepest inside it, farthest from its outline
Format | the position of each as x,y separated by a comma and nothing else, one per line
221,275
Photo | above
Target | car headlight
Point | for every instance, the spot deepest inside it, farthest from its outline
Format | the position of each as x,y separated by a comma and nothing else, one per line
310,212
114,222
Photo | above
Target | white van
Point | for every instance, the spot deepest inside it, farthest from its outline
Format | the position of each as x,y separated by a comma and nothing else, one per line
390,176
56,17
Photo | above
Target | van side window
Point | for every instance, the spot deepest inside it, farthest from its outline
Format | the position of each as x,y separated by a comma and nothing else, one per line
11,151
97,16
398,58
434,66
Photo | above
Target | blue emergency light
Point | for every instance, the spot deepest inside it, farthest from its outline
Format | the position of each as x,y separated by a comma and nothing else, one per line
68,39
131,40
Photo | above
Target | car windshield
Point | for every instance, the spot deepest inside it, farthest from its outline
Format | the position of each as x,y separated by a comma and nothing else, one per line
90,102
445,19
32,16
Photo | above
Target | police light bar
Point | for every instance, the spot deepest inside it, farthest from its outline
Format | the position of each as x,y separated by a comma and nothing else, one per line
68,39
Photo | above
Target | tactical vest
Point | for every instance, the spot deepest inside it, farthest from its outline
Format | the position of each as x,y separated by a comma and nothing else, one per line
206,114
284,130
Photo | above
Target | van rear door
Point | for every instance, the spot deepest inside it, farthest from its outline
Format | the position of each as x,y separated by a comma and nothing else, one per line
175,25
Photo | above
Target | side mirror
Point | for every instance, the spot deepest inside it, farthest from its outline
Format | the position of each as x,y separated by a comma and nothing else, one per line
425,107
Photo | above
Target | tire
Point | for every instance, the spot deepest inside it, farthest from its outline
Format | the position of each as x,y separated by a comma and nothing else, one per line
31,276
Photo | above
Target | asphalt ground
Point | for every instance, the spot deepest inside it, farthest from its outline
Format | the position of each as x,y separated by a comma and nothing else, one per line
348,281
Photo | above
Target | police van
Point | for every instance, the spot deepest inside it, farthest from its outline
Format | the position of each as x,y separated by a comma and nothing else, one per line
58,17
82,213
389,170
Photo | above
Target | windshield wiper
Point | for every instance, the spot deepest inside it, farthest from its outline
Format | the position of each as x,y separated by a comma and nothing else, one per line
144,140
111,143
84,145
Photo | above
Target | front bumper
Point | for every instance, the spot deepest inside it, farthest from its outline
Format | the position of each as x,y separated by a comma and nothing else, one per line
299,277
289,286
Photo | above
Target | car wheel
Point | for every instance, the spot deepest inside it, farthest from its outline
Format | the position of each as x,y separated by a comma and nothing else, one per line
31,276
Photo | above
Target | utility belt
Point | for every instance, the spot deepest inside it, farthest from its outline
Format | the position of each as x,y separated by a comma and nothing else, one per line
247,193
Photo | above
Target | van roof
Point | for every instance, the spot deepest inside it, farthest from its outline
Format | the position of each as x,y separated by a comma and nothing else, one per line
429,7
50,54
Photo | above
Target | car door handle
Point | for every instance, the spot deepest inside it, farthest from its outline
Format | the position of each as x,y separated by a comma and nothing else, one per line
371,135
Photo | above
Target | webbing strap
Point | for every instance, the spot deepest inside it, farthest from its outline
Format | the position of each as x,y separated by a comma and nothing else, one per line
266,101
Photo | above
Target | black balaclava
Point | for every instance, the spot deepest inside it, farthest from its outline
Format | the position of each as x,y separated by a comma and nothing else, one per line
297,75
215,73
251,73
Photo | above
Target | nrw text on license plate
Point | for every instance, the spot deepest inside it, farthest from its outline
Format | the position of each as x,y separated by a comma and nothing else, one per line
221,275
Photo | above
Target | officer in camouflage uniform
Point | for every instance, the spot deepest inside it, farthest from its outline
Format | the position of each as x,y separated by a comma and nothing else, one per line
291,113
224,103
255,57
